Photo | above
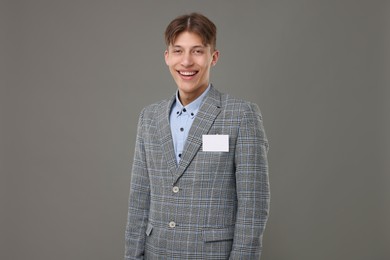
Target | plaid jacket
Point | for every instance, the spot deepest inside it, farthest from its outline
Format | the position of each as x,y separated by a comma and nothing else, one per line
212,205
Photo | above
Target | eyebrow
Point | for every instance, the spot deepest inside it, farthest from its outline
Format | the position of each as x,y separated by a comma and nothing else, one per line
193,47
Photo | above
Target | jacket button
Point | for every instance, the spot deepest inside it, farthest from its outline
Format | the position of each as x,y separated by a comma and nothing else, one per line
175,189
172,224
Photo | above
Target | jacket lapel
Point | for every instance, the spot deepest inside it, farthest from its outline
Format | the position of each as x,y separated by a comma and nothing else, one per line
203,121
164,131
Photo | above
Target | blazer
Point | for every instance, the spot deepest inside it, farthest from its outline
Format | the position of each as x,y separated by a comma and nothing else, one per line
211,205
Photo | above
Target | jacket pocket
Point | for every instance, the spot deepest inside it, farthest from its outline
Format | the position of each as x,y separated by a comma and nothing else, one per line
149,229
220,234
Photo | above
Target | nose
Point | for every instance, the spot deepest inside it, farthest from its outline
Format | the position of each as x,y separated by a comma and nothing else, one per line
187,60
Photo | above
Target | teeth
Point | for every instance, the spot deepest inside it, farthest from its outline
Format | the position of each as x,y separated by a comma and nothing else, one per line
187,73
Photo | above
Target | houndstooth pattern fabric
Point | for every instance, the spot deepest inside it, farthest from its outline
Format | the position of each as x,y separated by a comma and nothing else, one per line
212,205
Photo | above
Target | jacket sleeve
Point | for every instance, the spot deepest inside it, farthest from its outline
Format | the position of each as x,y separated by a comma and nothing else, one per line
252,186
138,207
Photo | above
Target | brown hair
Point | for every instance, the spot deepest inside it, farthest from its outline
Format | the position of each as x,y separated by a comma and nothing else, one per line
194,23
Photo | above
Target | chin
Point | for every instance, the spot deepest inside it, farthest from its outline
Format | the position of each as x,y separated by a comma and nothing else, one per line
188,88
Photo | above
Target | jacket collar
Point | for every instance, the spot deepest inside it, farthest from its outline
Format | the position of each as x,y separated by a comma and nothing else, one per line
203,121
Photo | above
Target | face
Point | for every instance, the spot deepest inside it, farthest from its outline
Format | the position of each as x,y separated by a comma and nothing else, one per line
189,62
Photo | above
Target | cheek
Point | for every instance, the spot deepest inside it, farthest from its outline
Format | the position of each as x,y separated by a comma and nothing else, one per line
172,71
206,66
170,65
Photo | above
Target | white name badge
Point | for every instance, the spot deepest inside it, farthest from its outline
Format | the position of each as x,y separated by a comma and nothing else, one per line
215,143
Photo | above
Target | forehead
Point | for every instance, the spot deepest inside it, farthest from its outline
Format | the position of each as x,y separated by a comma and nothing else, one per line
186,38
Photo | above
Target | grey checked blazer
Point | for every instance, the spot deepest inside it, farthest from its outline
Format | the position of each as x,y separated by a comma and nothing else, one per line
212,205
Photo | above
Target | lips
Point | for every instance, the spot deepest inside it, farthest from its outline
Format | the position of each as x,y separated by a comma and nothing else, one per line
187,73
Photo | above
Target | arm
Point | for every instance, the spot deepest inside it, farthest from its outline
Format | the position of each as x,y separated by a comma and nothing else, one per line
252,186
138,209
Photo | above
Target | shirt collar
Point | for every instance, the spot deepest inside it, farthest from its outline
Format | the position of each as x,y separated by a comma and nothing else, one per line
192,108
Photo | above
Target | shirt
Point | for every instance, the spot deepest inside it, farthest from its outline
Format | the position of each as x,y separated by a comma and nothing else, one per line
181,118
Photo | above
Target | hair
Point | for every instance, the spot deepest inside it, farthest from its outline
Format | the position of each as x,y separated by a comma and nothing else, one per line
194,23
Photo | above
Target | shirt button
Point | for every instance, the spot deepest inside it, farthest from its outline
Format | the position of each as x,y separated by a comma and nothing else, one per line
172,224
184,110
181,129
179,155
175,189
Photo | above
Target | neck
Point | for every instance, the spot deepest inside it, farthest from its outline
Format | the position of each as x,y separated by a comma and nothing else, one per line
187,97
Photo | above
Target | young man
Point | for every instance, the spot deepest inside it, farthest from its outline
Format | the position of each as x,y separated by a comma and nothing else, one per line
199,184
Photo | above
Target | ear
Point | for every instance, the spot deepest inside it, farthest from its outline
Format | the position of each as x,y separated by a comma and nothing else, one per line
166,56
215,58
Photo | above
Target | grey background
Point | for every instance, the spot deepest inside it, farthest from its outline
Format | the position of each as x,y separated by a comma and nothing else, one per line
75,75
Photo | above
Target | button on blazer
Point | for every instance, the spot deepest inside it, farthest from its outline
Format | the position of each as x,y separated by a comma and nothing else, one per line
210,205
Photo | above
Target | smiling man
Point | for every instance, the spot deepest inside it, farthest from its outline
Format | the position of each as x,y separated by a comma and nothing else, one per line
189,60
199,183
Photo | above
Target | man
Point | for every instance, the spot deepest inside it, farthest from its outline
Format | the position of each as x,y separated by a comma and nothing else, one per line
199,184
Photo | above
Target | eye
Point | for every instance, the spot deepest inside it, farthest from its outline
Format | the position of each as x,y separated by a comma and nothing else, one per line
198,51
176,51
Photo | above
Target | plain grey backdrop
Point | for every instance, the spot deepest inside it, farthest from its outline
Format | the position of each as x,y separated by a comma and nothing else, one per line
75,75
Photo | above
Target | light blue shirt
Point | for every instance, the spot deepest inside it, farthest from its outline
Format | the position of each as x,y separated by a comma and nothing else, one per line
181,119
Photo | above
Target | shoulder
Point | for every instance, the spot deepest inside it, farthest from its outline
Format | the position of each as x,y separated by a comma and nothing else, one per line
247,115
150,110
239,106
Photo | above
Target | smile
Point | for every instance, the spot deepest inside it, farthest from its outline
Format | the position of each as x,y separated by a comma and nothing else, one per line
187,73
